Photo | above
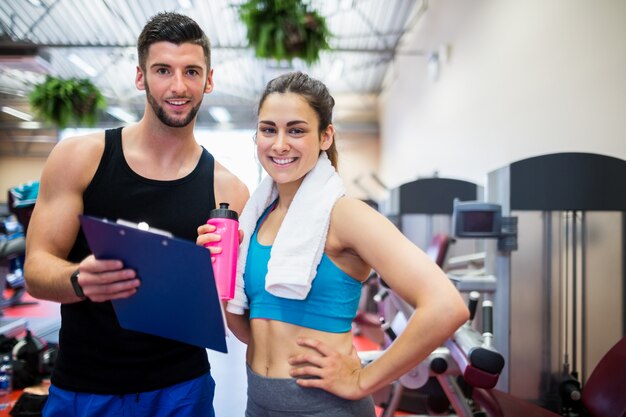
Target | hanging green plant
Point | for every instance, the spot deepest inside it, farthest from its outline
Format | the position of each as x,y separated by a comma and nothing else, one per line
66,101
284,29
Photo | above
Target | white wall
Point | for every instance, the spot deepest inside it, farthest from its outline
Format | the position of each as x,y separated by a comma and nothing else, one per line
358,160
235,150
524,78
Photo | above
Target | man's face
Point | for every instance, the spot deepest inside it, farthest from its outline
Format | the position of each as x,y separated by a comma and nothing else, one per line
175,80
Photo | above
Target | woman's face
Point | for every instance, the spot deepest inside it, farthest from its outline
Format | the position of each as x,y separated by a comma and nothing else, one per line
287,138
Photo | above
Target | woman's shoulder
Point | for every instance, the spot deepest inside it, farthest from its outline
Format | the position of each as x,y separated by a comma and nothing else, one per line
349,215
347,208
350,224
353,220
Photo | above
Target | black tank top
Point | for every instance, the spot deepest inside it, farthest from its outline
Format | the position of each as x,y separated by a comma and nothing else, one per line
96,355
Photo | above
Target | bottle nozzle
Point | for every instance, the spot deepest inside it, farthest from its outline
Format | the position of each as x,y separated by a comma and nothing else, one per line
223,212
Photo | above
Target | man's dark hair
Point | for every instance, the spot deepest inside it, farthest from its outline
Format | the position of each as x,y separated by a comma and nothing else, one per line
175,28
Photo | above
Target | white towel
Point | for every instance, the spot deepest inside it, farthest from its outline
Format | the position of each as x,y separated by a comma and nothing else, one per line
299,244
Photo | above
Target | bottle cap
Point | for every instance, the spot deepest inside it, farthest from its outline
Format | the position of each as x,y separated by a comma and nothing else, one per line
223,212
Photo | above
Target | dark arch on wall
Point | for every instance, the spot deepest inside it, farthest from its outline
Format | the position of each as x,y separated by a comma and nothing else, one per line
434,195
569,181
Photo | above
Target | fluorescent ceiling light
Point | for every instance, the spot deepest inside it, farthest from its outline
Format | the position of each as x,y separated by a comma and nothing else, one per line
80,63
121,114
16,113
221,114
185,4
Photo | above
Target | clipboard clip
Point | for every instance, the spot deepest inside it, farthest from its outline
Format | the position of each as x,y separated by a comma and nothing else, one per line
145,227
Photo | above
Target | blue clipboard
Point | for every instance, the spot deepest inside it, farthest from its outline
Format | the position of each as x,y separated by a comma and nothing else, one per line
177,298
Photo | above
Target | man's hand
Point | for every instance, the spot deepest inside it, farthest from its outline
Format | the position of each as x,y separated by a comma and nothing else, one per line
104,280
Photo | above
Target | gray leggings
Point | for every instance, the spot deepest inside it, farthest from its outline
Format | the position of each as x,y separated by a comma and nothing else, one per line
281,397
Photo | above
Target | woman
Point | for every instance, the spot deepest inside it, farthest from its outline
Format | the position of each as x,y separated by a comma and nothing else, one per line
296,305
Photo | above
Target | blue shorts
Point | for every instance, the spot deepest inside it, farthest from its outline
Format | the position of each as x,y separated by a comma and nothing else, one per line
192,398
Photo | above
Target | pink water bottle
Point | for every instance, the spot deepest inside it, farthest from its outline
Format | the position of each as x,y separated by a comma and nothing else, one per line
226,222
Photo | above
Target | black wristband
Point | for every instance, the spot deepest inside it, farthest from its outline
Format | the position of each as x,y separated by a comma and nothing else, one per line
78,290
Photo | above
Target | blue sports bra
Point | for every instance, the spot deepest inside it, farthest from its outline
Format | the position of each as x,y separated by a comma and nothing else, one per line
330,305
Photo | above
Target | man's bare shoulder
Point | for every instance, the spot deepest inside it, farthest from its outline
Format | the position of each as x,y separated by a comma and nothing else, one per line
224,174
229,188
83,145
75,158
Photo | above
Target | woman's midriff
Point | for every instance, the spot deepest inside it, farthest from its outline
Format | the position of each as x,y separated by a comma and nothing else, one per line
274,342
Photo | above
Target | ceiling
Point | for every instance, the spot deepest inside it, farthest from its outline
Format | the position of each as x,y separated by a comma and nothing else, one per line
96,39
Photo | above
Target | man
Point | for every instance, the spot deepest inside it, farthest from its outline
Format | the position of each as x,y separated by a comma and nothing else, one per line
152,171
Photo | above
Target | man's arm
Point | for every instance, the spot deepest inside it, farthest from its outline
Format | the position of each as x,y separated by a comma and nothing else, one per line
229,189
54,226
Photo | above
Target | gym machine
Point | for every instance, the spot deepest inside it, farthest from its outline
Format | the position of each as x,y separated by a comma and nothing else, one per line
421,209
559,304
553,229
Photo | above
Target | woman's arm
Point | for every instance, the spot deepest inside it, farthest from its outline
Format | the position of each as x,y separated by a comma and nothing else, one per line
239,324
439,307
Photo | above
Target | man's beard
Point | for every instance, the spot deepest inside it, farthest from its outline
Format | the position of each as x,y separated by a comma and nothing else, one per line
163,116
